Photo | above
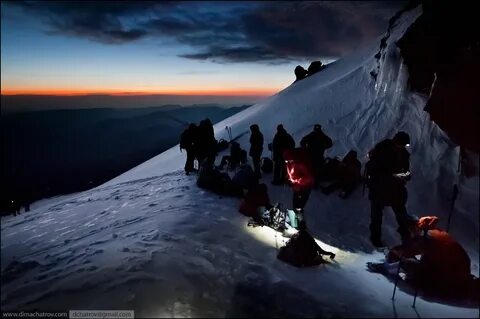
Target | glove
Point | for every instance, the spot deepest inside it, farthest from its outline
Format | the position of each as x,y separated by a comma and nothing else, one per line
332,256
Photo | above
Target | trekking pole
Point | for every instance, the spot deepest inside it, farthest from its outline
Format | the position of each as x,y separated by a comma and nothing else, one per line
452,206
416,286
460,158
364,181
415,297
228,133
397,278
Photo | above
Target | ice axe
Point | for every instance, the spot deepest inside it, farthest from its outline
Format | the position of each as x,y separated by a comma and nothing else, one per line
229,132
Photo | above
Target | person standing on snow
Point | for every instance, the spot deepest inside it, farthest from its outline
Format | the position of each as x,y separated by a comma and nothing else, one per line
187,142
281,142
387,172
256,148
207,144
316,142
300,175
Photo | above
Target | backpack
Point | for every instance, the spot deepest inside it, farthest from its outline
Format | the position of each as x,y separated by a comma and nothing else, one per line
274,218
267,165
328,142
222,145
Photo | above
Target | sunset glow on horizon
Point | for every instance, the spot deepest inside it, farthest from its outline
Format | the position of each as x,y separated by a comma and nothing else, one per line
192,49
120,92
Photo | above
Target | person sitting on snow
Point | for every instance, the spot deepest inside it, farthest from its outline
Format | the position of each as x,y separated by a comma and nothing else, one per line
302,250
212,179
245,177
347,175
257,197
235,157
443,264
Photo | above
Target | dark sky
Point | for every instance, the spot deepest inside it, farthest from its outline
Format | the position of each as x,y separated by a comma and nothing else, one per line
172,47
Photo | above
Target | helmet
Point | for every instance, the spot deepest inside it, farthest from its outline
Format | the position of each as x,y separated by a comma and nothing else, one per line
402,138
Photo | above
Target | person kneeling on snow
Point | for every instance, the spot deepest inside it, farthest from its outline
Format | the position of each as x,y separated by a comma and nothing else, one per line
443,266
212,179
257,197
302,250
347,175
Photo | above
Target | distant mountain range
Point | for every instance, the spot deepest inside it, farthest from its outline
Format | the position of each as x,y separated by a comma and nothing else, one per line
46,153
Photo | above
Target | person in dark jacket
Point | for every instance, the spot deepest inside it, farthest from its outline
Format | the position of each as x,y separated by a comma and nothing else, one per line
316,142
256,148
388,170
207,144
220,183
281,142
300,73
315,67
302,250
245,177
347,175
187,142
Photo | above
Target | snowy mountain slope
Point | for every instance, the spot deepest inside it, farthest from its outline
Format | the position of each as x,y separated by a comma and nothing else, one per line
357,112
163,248
150,240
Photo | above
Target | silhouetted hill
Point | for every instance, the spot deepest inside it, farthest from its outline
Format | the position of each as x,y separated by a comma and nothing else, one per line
46,153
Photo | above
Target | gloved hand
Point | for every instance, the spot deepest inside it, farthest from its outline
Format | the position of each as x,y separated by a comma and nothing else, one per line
332,256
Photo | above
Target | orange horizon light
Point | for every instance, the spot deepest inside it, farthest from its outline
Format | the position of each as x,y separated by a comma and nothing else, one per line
119,92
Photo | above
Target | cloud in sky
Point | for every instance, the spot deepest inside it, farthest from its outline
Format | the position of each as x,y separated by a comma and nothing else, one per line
223,32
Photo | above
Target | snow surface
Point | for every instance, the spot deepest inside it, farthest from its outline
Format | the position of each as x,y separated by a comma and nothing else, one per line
152,241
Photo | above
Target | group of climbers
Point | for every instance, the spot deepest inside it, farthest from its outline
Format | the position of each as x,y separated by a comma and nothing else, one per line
386,174
199,142
314,67
304,167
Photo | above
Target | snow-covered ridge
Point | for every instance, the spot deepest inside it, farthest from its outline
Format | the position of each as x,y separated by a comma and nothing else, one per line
357,112
150,240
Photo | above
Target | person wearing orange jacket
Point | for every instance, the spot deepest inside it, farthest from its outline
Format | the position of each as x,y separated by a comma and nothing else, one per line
444,265
300,176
